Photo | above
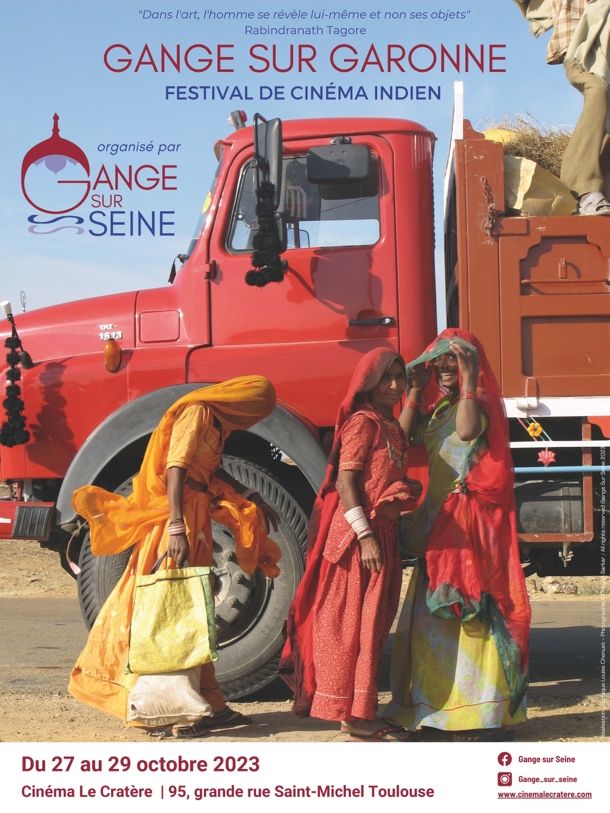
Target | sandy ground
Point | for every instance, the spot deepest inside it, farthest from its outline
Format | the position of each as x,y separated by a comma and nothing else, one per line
35,709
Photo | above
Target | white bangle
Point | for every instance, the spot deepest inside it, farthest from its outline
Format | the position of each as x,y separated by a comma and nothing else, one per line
357,519
354,513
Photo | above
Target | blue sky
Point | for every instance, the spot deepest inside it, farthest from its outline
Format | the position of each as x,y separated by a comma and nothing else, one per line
52,61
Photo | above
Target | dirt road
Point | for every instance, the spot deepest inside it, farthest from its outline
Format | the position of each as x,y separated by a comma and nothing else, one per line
42,632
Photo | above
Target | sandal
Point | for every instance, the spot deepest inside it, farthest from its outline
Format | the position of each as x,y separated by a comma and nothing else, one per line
386,733
430,734
227,718
161,732
483,735
593,203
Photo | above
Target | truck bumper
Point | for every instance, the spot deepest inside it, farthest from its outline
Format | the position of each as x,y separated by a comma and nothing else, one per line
26,520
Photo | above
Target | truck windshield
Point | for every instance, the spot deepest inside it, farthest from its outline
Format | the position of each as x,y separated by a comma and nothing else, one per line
316,215
204,209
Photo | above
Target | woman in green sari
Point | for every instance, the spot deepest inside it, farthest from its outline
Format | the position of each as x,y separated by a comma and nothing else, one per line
460,653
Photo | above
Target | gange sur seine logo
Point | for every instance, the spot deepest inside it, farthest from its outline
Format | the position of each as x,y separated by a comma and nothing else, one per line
68,192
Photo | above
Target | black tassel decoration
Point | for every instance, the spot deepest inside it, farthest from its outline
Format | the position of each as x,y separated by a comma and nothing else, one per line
13,431
268,265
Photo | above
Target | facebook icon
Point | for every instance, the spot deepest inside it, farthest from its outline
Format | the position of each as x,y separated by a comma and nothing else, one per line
504,758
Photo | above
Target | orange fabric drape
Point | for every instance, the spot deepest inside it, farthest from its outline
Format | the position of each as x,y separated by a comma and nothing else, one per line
115,522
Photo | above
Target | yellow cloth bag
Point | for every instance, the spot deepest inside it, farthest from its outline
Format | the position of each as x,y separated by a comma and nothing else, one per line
172,627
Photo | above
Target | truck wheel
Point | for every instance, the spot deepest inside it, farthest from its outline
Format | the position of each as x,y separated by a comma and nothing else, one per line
250,610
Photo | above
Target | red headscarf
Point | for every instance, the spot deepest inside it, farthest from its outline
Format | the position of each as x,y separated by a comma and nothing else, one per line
472,555
296,663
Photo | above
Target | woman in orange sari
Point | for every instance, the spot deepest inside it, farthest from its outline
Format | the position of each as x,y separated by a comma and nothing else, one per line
177,492
347,599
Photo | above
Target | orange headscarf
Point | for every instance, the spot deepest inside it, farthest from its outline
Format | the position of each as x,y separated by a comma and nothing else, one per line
117,522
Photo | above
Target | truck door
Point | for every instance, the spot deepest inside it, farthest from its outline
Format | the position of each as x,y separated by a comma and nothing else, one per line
338,298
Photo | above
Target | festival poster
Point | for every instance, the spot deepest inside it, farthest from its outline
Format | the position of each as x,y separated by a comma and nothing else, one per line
111,116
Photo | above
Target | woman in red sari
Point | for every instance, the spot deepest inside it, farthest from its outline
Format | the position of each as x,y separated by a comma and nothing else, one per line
347,600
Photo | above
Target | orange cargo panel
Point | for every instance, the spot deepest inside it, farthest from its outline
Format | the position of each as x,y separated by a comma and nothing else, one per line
555,307
536,290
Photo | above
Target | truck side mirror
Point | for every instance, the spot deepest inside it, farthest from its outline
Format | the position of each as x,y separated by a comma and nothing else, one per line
268,154
267,243
338,163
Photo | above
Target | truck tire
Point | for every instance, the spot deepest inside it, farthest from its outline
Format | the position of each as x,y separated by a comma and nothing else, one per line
250,610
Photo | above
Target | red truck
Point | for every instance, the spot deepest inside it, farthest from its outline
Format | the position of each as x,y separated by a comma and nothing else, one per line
354,206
